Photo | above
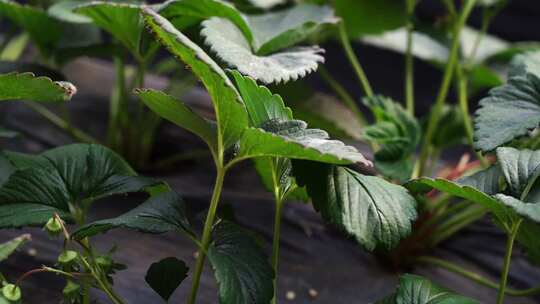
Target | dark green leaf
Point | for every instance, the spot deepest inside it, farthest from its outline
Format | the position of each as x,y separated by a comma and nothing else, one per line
26,86
527,237
240,266
180,114
166,275
230,113
415,289
521,169
513,109
376,212
159,214
7,248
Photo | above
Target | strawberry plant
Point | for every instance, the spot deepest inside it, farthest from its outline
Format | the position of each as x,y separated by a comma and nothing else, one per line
394,202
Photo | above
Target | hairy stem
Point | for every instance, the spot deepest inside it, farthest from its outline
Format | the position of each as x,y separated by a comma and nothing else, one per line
344,38
473,276
77,134
207,233
507,259
445,86
343,94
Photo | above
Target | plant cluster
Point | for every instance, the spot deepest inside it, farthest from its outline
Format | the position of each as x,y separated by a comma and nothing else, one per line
240,53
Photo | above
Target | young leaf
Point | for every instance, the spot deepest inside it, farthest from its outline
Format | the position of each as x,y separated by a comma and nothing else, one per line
121,20
43,29
377,213
166,275
230,45
513,109
180,114
292,139
415,289
240,266
159,214
62,178
230,113
27,86
7,248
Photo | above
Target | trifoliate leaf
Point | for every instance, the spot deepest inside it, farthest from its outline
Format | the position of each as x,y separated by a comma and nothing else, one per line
63,178
27,86
513,109
240,266
166,275
415,289
230,113
292,139
9,247
230,45
159,214
180,114
377,213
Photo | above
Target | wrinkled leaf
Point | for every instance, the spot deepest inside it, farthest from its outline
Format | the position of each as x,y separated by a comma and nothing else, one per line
7,248
513,109
230,113
240,266
159,214
180,114
27,86
521,169
377,213
166,275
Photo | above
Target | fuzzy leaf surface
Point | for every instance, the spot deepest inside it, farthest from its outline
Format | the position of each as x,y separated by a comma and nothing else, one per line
240,266
230,112
377,213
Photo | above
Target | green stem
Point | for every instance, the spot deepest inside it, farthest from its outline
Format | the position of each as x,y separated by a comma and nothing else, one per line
207,233
445,86
117,106
456,223
507,259
275,244
409,67
58,121
343,94
344,38
104,286
473,276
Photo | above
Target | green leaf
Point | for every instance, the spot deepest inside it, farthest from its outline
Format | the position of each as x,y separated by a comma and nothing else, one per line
63,10
121,20
521,169
27,86
359,15
180,114
513,109
292,139
178,11
266,4
283,170
487,181
43,29
415,289
397,132
240,266
166,275
377,213
527,210
230,45
450,130
7,248
159,214
468,190
230,113
527,237
63,178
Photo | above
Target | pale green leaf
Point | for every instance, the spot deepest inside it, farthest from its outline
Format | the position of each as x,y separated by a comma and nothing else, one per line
377,213
231,46
27,86
63,10
292,139
413,289
240,266
230,113
511,110
266,4
180,114
159,214
9,247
